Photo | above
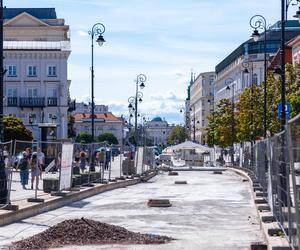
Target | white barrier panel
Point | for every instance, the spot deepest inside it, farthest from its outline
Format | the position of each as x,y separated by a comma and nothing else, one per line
66,166
139,160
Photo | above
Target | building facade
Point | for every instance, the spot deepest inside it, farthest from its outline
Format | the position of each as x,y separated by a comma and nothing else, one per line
81,107
103,123
201,92
231,70
158,131
36,52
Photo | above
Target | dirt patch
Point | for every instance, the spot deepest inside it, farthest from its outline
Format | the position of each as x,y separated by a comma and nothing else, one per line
86,232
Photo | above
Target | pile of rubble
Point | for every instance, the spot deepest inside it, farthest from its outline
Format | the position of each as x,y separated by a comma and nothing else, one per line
86,232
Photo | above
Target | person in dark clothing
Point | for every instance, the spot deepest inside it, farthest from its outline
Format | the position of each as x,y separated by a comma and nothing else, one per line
107,159
23,165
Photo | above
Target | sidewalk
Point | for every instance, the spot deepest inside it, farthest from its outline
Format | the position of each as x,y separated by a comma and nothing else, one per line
19,196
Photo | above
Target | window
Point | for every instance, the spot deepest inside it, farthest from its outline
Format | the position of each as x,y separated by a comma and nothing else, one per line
52,71
254,80
32,93
31,118
211,80
12,70
31,70
12,92
52,92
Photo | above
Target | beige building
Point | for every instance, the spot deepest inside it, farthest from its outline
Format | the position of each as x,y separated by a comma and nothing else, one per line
295,45
104,123
36,52
201,90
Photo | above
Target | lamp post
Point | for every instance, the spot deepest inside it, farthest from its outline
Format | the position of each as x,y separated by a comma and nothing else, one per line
247,66
2,73
212,102
3,177
97,30
134,100
259,22
194,123
229,82
193,120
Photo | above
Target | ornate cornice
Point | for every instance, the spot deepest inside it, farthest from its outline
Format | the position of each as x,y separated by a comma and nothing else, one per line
13,54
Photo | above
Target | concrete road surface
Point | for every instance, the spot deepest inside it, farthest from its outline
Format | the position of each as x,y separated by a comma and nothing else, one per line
210,212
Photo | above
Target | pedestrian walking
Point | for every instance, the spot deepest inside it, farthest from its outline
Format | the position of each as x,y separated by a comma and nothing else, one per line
82,161
107,159
35,169
77,158
41,160
23,165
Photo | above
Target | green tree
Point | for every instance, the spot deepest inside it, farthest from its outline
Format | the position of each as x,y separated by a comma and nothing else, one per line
84,137
210,131
249,115
219,130
71,121
177,135
109,138
293,88
14,129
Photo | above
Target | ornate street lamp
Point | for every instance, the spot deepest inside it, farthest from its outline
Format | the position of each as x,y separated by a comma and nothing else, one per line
259,22
134,100
3,177
230,85
97,30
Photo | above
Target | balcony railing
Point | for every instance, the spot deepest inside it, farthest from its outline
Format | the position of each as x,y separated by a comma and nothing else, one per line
12,101
52,101
32,102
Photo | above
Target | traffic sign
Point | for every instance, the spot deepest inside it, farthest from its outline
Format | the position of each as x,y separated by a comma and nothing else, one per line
287,110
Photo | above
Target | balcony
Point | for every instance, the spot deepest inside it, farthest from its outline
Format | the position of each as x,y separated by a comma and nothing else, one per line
52,101
12,101
32,102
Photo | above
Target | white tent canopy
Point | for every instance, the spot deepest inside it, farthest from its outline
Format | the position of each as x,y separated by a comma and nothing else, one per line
188,145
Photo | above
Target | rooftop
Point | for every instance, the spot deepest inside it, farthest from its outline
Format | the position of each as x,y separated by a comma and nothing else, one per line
40,13
106,117
251,47
157,119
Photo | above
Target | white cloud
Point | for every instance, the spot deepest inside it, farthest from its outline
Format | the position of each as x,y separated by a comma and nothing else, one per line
168,96
82,33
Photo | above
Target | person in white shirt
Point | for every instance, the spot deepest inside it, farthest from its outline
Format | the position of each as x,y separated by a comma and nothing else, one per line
41,160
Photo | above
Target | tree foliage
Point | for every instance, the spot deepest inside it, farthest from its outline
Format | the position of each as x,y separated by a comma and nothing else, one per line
221,125
71,122
109,138
250,109
14,129
177,135
249,114
84,137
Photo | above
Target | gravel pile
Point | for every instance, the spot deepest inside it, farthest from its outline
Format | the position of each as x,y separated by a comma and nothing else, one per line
86,232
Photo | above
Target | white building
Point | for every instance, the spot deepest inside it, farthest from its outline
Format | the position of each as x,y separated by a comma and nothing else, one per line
36,85
201,91
158,131
230,71
81,107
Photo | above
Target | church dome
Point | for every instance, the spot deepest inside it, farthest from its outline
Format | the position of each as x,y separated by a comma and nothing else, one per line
157,119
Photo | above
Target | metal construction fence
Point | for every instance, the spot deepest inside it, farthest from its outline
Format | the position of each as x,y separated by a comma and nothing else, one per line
274,164
30,170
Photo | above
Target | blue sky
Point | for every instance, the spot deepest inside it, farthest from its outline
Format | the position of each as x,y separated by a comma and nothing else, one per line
163,39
